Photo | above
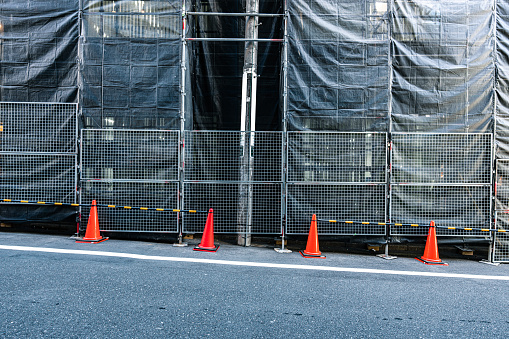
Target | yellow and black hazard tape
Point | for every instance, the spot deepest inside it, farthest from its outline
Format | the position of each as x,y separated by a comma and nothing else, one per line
102,205
413,225
472,229
371,223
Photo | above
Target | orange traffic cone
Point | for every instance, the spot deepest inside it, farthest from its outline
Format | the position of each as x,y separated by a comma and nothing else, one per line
92,234
312,250
430,256
207,240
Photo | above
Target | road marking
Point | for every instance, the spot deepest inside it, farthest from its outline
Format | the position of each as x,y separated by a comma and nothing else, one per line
252,264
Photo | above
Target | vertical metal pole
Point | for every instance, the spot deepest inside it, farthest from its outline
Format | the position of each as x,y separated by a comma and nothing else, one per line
284,157
388,139
389,109
180,216
248,122
491,249
388,173
492,246
77,174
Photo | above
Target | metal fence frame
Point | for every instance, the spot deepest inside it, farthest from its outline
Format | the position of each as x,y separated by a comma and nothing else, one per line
299,224
132,178
41,133
501,240
278,174
218,165
455,185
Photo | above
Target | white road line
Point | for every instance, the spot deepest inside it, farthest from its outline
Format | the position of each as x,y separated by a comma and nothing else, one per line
252,264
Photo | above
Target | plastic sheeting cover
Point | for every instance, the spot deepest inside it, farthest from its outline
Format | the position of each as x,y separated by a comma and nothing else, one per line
38,50
502,83
130,64
399,65
338,72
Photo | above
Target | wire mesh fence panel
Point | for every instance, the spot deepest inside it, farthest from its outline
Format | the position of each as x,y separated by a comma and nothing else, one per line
38,177
132,194
130,154
441,158
268,155
38,127
212,155
137,168
239,175
38,153
501,240
441,177
226,199
340,202
451,206
502,185
337,157
337,176
219,156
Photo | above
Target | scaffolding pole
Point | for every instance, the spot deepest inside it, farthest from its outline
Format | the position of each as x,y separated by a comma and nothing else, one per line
248,123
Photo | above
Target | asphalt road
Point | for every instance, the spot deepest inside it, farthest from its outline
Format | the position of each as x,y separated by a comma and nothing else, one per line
130,289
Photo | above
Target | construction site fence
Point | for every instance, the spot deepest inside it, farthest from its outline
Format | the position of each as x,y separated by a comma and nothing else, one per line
257,182
264,182
271,182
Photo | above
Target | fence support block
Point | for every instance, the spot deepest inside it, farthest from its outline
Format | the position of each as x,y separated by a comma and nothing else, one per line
386,255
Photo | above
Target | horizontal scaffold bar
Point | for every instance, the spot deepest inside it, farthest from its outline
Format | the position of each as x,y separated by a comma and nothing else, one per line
233,39
261,15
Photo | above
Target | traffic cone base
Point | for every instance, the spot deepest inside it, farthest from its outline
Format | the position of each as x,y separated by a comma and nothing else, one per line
94,241
428,262
203,249
317,256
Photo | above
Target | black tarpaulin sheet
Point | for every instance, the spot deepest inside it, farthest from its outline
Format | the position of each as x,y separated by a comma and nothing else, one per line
423,66
22,214
443,66
338,69
38,50
130,64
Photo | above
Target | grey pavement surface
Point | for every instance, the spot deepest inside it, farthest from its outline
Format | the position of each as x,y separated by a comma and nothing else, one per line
62,295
